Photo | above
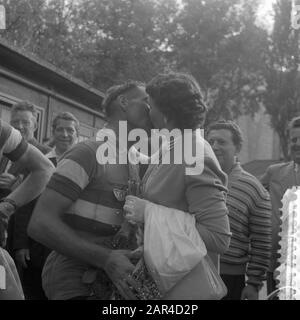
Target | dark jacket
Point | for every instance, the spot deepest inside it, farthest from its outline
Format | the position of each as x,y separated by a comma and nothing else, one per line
17,229
277,179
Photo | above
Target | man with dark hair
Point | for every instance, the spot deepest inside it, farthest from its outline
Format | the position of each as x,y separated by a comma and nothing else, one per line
80,211
117,99
17,150
179,95
65,132
277,179
249,215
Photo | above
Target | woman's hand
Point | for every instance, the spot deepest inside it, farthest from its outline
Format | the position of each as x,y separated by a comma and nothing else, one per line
135,209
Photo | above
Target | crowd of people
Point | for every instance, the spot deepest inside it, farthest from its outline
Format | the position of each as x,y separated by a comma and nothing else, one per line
75,231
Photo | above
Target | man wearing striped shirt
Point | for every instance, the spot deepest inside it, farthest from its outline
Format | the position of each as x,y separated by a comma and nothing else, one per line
80,212
244,265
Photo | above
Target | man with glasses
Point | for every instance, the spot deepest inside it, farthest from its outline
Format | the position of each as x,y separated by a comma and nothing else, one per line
277,179
30,255
14,147
24,119
80,212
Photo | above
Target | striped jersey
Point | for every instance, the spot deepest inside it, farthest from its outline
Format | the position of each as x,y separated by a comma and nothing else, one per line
250,223
12,145
97,191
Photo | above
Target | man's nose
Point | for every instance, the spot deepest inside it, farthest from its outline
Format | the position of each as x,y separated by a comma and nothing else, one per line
296,141
18,125
65,133
214,145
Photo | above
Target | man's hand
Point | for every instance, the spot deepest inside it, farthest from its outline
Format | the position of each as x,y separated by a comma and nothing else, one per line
6,210
21,256
249,293
7,180
119,269
3,229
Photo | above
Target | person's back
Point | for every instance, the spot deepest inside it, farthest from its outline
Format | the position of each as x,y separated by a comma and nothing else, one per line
185,187
186,178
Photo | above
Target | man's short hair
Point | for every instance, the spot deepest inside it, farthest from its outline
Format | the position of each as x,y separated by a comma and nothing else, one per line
237,136
294,123
65,116
115,91
24,106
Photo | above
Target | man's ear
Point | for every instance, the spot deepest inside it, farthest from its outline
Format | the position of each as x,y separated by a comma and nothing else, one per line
123,101
35,125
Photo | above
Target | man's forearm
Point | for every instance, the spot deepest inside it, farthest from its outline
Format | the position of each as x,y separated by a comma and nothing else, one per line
259,261
31,187
214,241
61,238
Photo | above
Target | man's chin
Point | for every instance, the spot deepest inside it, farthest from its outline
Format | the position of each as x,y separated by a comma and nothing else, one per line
145,126
220,159
64,145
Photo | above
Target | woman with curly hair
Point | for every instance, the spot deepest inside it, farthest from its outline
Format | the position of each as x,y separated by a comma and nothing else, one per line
176,103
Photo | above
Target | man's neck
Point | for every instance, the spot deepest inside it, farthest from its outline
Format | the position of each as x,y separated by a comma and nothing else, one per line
59,152
114,125
30,139
227,169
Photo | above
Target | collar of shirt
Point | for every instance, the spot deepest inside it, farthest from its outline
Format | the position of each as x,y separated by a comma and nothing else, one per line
52,154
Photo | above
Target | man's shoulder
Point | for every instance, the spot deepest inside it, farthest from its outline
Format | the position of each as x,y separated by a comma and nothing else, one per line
280,167
5,133
43,148
4,127
11,142
248,181
90,145
248,177
83,152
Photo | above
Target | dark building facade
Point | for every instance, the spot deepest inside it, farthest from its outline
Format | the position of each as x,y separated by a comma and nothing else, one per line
25,77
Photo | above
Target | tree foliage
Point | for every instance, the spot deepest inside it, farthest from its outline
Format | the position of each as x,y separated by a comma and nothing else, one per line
281,72
238,63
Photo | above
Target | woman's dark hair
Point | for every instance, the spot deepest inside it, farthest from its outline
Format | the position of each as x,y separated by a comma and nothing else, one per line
179,97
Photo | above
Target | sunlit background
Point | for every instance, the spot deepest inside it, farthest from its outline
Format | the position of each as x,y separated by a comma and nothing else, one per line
265,15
